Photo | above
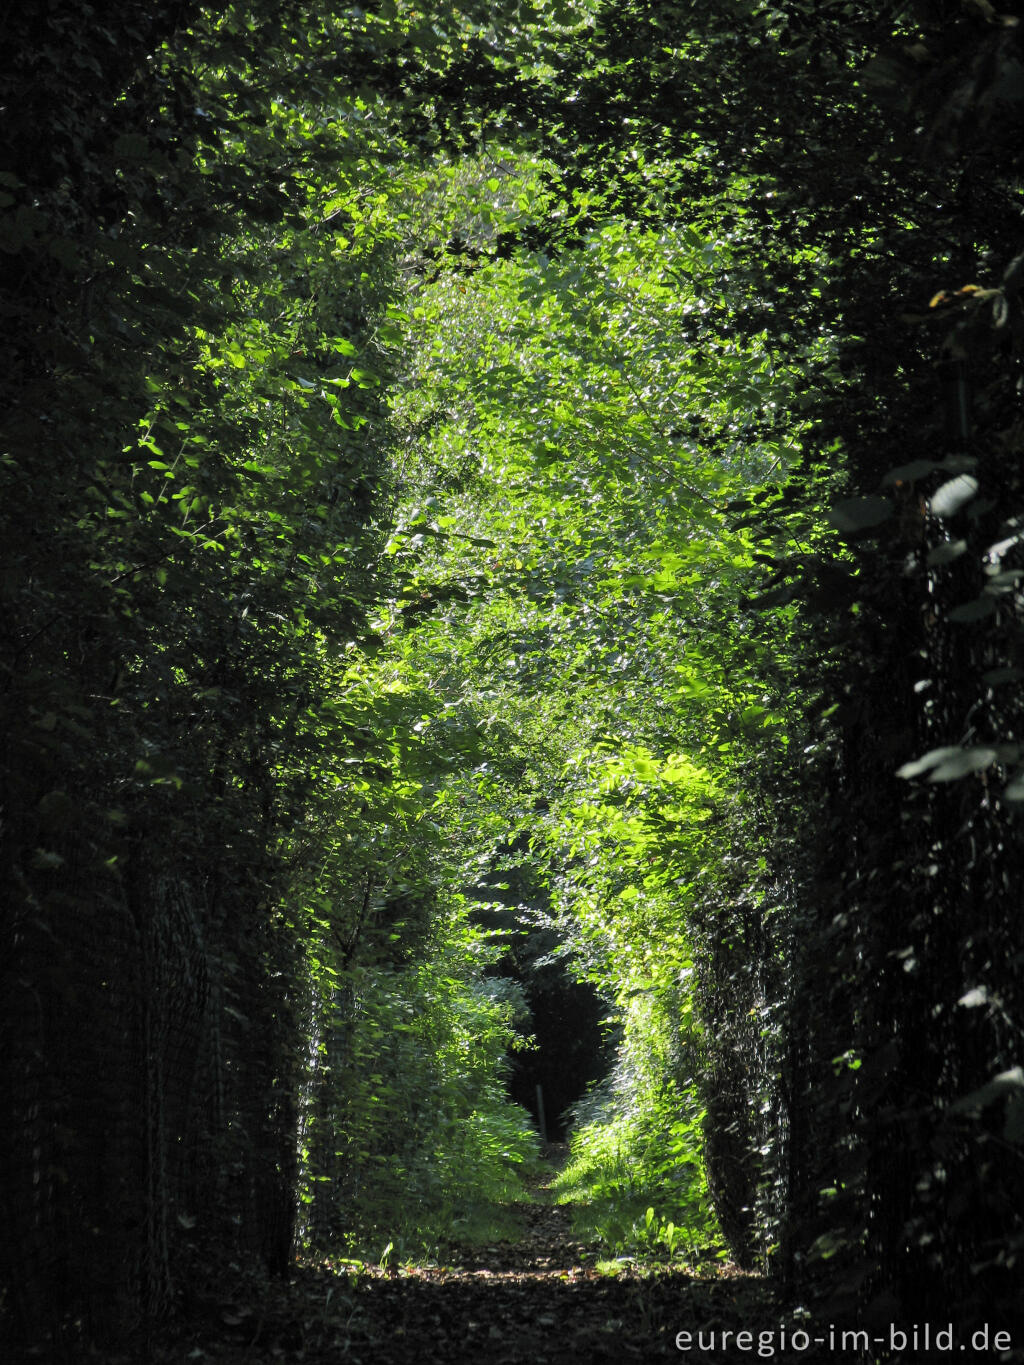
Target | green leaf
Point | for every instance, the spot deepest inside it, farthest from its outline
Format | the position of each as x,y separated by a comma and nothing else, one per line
1007,673
910,473
928,761
976,610
1009,1082
948,499
860,514
945,553
961,765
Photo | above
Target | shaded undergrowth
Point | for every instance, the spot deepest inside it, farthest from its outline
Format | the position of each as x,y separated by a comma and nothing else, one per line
529,1286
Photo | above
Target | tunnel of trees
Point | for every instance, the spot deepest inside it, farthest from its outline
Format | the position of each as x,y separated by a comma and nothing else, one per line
568,1052
588,428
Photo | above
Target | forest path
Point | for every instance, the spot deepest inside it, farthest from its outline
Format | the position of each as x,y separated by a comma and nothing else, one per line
537,1301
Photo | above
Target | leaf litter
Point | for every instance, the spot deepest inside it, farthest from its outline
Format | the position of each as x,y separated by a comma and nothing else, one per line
540,1299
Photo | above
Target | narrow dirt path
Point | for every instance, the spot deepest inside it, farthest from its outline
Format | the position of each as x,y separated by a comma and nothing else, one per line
537,1301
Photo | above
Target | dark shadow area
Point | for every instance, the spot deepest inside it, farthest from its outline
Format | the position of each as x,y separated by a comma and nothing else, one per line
571,1049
